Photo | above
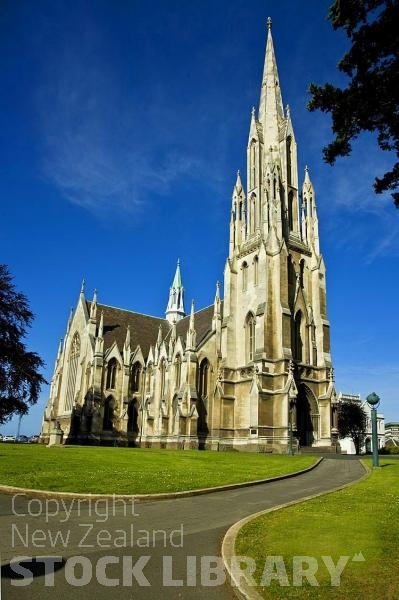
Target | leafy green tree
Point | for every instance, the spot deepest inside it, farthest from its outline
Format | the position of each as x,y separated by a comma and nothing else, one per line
352,423
20,380
370,102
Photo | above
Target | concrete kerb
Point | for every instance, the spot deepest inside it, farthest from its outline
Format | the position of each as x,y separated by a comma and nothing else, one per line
241,588
10,490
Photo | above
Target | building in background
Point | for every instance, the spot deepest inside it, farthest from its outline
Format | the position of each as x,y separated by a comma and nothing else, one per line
252,371
347,445
392,433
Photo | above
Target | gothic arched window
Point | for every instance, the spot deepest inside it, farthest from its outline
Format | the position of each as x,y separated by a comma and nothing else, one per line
203,378
256,270
291,211
111,374
250,337
108,419
135,377
132,416
178,371
297,341
244,276
162,372
73,363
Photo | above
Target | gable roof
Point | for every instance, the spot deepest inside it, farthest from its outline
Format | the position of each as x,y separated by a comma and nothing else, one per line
144,328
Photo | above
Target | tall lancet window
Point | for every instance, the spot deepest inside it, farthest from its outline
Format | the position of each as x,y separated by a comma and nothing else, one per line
203,378
244,276
111,374
250,337
178,371
162,375
135,377
256,270
291,211
73,363
297,341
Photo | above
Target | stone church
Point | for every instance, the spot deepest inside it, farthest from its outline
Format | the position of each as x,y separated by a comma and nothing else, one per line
252,371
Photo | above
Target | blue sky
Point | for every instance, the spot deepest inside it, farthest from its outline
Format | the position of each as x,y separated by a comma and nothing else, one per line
122,126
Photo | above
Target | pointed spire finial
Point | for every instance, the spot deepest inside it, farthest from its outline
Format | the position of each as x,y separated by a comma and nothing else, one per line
127,339
288,111
253,112
269,23
101,326
82,288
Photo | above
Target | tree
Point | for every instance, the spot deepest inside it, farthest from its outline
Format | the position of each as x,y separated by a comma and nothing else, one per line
20,381
352,423
370,102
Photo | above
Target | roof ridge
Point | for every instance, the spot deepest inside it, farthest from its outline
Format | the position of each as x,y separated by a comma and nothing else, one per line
133,312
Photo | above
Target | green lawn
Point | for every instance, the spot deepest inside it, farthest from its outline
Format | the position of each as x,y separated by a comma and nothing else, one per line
362,518
135,471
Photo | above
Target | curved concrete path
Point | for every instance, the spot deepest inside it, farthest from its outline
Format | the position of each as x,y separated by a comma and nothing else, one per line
199,524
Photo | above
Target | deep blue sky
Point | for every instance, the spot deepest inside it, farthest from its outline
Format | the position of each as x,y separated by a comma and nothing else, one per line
122,126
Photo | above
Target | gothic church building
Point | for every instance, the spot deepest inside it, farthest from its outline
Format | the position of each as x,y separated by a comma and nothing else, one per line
250,372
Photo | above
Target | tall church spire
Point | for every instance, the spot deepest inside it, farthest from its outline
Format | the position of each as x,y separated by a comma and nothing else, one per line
271,110
175,309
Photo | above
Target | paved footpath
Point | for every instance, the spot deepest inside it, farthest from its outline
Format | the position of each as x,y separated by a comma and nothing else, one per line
199,524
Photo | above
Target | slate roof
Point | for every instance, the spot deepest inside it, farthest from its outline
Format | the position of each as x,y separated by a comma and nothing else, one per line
144,328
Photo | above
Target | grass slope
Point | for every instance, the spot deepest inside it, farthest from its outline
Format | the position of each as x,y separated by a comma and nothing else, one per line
135,471
362,518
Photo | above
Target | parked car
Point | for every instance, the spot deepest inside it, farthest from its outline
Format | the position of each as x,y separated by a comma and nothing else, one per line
33,439
23,439
9,438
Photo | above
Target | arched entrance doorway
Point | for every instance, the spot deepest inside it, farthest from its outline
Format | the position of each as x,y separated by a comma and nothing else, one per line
307,417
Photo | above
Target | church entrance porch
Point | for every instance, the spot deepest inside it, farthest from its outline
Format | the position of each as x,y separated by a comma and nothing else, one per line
307,417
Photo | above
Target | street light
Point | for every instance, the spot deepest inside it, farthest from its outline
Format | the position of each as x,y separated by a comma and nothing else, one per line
373,401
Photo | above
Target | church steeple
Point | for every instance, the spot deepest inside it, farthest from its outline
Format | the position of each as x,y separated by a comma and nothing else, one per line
271,112
175,309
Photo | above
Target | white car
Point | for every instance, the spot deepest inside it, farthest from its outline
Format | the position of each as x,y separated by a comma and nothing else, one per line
8,438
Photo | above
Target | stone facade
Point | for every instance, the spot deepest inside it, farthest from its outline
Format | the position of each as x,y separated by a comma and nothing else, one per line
251,372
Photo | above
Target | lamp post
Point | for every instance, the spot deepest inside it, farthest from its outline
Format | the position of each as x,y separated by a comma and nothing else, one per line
373,401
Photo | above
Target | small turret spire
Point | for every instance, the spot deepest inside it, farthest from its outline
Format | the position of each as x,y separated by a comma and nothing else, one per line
191,333
93,307
127,339
82,287
175,308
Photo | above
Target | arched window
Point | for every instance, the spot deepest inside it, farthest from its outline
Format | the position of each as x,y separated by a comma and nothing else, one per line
111,374
252,214
135,377
203,378
240,211
244,276
108,419
297,341
256,270
162,371
178,371
250,337
132,417
73,363
274,188
290,211
301,272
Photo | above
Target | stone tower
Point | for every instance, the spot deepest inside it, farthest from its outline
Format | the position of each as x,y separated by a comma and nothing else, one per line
275,333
